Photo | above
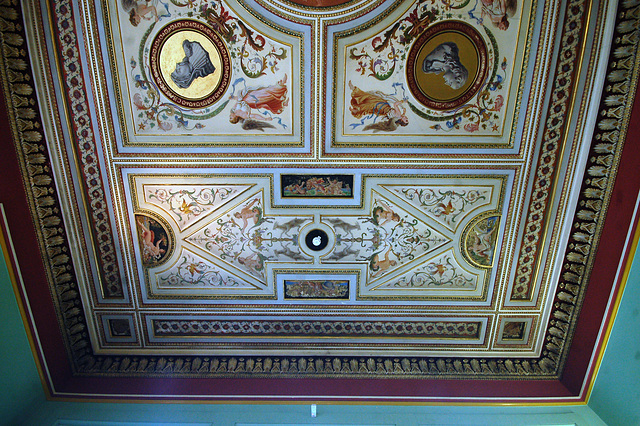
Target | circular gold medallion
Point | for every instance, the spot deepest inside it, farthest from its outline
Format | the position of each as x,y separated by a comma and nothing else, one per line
447,65
155,239
190,64
479,240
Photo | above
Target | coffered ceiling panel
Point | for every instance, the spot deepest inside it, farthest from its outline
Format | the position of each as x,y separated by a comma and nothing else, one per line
258,192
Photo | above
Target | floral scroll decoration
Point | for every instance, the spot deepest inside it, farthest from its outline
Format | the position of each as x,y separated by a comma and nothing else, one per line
472,87
186,204
192,272
441,272
229,53
445,205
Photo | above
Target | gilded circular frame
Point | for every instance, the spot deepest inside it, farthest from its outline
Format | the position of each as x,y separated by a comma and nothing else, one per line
155,239
447,65
190,64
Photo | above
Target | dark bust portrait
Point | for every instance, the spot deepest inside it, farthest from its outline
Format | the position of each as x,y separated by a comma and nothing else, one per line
196,63
444,58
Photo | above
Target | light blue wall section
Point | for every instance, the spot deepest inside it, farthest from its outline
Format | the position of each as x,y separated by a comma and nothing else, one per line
245,415
20,386
616,394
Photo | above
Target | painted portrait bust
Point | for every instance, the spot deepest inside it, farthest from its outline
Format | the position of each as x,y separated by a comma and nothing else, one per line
196,63
444,58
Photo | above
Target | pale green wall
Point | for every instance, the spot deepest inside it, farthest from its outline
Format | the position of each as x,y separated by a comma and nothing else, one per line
615,398
616,394
229,415
20,386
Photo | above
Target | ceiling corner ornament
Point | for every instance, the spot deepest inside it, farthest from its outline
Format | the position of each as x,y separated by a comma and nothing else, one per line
190,64
447,65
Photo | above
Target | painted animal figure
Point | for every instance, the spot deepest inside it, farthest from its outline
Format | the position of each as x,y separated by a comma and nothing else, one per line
341,224
286,227
379,266
344,254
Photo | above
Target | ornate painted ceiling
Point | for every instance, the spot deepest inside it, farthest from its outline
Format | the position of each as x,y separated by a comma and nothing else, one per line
388,200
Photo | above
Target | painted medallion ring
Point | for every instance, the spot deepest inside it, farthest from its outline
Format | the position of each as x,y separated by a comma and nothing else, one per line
190,64
447,65
156,241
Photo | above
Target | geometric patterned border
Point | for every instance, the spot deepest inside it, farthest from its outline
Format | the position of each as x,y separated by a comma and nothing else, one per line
31,149
86,149
353,329
555,130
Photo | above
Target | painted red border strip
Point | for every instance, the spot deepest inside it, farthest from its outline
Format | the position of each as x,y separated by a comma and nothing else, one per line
30,266
610,252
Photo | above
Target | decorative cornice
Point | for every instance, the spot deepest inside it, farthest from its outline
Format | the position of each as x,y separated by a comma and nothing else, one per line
31,147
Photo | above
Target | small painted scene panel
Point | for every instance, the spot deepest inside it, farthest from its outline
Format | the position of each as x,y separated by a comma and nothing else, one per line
316,186
119,327
316,289
513,330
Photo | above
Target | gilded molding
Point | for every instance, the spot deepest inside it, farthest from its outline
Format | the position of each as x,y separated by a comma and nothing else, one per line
617,100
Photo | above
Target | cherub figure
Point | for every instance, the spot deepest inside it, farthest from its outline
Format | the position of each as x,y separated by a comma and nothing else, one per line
384,211
376,104
150,250
138,11
499,12
482,242
249,213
